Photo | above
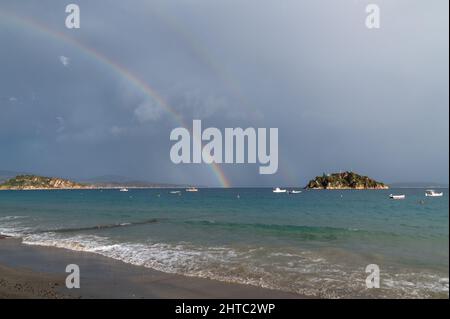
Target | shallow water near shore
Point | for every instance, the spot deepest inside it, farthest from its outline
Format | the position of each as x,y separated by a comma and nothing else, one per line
317,243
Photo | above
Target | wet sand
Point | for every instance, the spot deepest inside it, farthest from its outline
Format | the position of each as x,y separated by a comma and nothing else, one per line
39,272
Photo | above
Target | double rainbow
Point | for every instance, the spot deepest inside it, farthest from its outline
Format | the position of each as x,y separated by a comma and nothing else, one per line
117,68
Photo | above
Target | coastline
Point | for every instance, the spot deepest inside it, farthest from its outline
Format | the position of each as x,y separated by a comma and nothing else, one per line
347,188
39,272
88,188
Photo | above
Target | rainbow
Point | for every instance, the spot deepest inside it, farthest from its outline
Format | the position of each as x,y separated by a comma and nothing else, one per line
119,69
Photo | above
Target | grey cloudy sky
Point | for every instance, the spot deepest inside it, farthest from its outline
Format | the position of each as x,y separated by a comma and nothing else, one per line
341,95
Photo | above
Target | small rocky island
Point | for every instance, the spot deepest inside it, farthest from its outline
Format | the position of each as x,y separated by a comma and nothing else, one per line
33,182
345,180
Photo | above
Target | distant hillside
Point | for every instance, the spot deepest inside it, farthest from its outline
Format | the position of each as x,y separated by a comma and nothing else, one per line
108,179
345,180
30,182
5,175
114,181
418,185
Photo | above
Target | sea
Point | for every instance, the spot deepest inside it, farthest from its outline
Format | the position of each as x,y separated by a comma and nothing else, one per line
317,243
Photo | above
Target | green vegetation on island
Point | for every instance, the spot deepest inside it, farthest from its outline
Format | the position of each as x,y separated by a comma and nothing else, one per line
30,182
36,182
345,180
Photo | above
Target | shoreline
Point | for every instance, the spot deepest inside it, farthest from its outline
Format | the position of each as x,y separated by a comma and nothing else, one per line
87,188
201,187
28,271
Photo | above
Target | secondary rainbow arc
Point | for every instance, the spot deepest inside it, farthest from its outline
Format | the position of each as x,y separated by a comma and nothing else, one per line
117,68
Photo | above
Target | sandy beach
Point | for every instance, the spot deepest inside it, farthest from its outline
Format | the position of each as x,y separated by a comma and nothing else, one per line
39,272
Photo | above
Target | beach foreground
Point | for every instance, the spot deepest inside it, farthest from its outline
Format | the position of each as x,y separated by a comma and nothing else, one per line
39,272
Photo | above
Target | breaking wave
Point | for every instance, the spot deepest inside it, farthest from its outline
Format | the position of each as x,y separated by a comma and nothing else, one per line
298,271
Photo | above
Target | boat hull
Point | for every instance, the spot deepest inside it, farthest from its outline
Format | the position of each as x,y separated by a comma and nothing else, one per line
397,196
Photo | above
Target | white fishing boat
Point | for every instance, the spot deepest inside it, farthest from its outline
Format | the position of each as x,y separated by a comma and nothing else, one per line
294,191
191,189
433,193
175,192
392,196
279,190
123,190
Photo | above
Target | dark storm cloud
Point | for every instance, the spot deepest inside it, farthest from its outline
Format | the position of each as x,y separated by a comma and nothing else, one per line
342,96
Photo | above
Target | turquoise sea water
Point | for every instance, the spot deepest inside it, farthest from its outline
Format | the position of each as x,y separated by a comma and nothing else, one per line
316,243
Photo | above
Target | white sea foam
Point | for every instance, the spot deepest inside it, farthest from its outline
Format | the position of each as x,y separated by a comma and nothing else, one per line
11,226
297,271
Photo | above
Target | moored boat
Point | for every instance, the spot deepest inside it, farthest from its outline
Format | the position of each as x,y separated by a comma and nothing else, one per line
392,196
433,193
